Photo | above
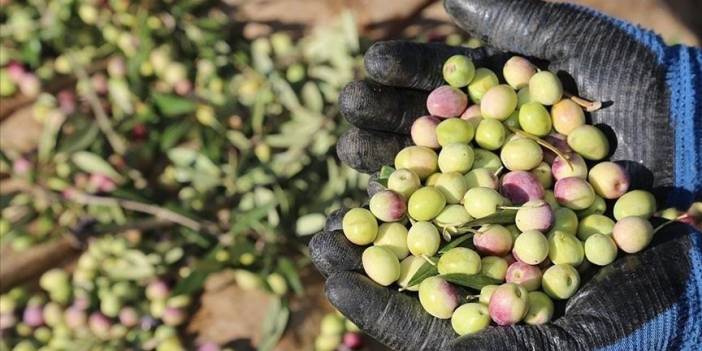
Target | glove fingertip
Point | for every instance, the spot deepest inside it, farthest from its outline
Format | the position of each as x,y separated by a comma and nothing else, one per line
381,62
334,220
375,185
391,317
367,151
331,252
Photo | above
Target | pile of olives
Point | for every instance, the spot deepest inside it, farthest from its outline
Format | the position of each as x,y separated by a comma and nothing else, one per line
513,166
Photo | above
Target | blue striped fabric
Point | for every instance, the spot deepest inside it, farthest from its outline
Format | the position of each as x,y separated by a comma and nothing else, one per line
680,327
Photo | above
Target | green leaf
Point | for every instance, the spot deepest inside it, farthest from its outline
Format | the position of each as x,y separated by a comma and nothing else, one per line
120,95
172,105
80,140
132,265
191,236
244,221
173,255
92,163
284,93
173,134
31,51
182,157
384,175
196,279
49,135
456,242
385,172
501,217
238,139
473,281
425,271
287,268
274,325
311,97
310,224
192,283
204,182
260,55
350,30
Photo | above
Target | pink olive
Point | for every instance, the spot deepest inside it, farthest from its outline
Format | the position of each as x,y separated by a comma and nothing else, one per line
33,316
353,340
424,131
128,316
525,275
447,101
561,169
560,142
521,186
534,215
609,180
508,304
472,112
493,240
574,193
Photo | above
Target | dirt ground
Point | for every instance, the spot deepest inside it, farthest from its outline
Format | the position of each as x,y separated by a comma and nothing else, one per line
406,18
227,313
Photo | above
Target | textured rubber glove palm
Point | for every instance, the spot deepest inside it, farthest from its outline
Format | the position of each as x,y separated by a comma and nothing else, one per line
651,300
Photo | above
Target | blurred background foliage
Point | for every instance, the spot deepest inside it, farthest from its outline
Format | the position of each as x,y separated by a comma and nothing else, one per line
166,112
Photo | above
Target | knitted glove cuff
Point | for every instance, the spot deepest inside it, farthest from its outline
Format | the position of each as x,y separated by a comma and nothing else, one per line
683,65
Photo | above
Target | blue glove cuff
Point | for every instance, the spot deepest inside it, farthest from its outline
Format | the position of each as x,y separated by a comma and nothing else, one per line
683,67
684,79
679,327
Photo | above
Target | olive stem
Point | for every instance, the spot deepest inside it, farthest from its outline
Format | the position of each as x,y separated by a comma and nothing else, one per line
590,106
466,230
428,259
472,297
544,144
663,225
446,233
679,218
498,171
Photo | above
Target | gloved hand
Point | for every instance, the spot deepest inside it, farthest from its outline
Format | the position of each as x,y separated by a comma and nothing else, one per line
647,301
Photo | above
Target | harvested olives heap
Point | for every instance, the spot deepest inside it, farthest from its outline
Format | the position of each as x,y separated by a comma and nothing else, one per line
516,186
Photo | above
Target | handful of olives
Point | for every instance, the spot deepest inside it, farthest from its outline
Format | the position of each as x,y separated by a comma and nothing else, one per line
521,174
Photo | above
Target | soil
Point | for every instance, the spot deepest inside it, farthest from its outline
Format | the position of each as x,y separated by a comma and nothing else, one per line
389,19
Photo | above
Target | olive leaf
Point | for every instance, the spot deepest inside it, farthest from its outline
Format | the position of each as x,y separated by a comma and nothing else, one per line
132,265
456,242
49,136
312,97
473,281
92,163
425,271
287,268
194,281
500,217
384,175
172,105
274,325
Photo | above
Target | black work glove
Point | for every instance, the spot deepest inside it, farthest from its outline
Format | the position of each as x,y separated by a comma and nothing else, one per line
651,300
